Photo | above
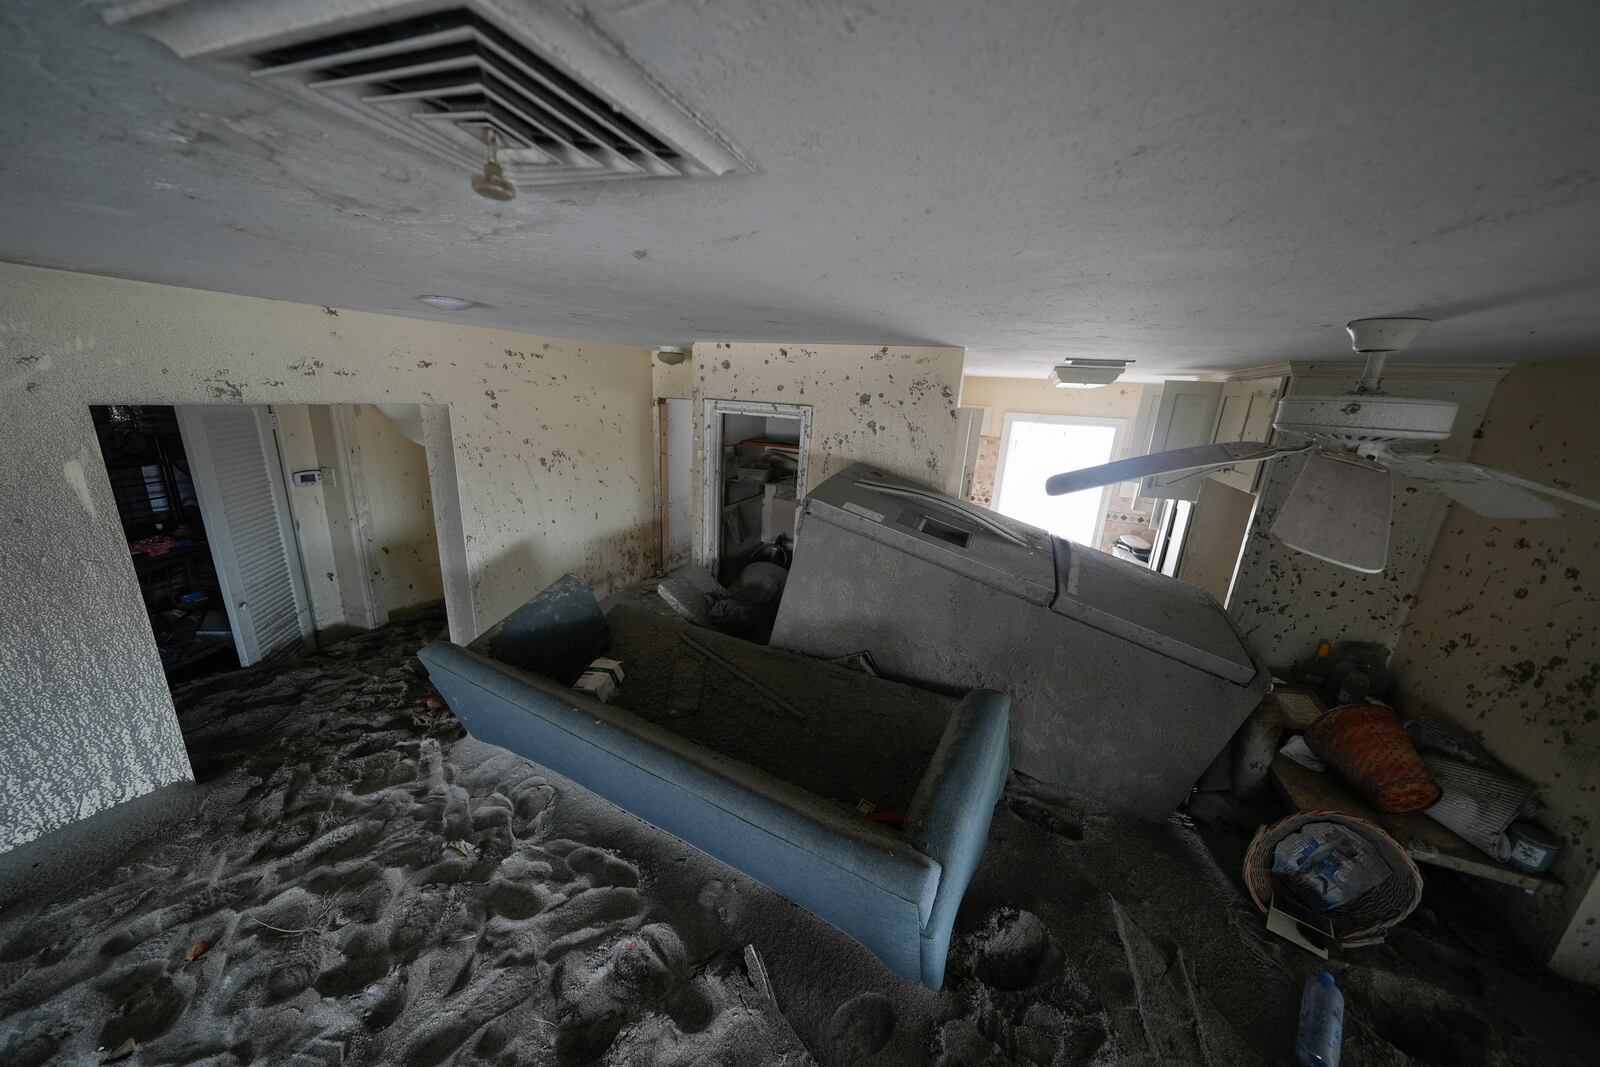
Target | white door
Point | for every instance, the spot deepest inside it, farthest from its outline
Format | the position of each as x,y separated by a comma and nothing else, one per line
233,459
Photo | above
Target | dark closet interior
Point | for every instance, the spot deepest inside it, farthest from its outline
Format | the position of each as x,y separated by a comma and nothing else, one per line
155,496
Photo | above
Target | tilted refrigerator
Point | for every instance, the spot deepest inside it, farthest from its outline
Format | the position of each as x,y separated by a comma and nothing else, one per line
1125,683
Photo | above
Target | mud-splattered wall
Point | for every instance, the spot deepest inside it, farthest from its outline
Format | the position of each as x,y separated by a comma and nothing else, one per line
672,380
552,443
889,405
1503,636
405,549
1283,600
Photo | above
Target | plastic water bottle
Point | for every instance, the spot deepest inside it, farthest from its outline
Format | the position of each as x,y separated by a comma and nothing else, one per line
1321,1023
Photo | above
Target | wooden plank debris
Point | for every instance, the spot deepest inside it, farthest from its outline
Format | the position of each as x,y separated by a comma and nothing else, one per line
1423,839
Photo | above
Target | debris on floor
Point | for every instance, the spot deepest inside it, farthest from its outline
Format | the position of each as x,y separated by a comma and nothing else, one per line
342,924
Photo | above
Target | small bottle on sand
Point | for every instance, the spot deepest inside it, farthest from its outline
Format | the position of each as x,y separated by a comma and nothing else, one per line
1321,1023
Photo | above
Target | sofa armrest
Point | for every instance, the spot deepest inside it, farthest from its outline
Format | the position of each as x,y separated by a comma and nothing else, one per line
556,634
949,816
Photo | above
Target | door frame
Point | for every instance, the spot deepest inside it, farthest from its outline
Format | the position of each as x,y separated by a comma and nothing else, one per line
1119,444
709,554
347,440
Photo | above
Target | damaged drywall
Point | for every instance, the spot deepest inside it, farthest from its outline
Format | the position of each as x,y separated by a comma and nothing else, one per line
1502,640
889,405
1285,601
551,442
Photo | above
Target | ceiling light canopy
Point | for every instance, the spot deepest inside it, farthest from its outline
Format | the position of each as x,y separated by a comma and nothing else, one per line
1385,335
491,184
1087,373
448,303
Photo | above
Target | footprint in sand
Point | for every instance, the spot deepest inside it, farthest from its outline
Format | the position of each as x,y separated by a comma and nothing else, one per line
860,1028
1012,950
146,1002
600,993
1056,820
601,868
722,899
364,953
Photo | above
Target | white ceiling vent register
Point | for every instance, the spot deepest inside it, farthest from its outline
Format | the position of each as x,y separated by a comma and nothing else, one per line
565,103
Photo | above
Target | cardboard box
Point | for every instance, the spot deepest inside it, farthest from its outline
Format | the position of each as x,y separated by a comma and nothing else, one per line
600,679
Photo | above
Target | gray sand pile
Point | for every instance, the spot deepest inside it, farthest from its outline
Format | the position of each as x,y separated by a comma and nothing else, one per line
361,884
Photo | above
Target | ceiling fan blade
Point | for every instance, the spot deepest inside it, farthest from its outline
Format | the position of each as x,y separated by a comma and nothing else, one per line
1338,511
1489,492
1176,461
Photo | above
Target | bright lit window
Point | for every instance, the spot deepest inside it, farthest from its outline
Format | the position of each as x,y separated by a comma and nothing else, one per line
1032,448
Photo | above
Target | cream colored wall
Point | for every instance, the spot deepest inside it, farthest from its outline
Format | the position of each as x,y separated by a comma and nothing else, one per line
551,440
889,405
1286,601
1035,396
1502,639
675,382
297,444
405,550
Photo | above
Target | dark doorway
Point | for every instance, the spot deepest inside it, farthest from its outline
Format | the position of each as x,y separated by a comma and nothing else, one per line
155,496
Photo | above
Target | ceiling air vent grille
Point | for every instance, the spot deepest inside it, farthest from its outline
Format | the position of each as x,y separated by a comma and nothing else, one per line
443,79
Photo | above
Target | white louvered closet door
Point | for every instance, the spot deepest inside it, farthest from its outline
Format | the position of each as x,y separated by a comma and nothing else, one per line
233,458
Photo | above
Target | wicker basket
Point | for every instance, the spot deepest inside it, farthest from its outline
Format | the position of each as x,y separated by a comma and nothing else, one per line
1367,746
1364,921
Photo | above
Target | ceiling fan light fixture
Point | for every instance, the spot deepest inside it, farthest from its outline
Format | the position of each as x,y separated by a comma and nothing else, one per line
1087,373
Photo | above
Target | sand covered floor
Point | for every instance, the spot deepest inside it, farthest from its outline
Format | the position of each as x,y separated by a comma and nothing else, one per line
360,883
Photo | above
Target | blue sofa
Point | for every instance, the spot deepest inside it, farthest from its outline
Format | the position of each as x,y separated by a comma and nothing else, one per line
895,890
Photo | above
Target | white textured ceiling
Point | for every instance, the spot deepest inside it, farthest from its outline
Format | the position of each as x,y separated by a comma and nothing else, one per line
1194,186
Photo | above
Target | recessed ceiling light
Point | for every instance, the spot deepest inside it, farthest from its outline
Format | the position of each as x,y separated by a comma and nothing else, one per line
448,303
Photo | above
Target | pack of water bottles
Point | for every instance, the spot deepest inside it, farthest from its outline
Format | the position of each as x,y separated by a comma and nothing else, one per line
1327,866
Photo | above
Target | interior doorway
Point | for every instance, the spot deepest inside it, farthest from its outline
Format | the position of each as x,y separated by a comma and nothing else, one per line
1032,448
755,464
257,532
362,496
200,494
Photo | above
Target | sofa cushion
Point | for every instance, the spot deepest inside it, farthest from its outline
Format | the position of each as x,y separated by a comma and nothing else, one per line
832,730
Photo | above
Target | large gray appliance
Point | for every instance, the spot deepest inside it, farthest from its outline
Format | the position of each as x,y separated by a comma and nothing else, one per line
1125,683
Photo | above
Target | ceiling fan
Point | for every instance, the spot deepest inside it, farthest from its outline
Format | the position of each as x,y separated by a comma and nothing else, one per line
1339,508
